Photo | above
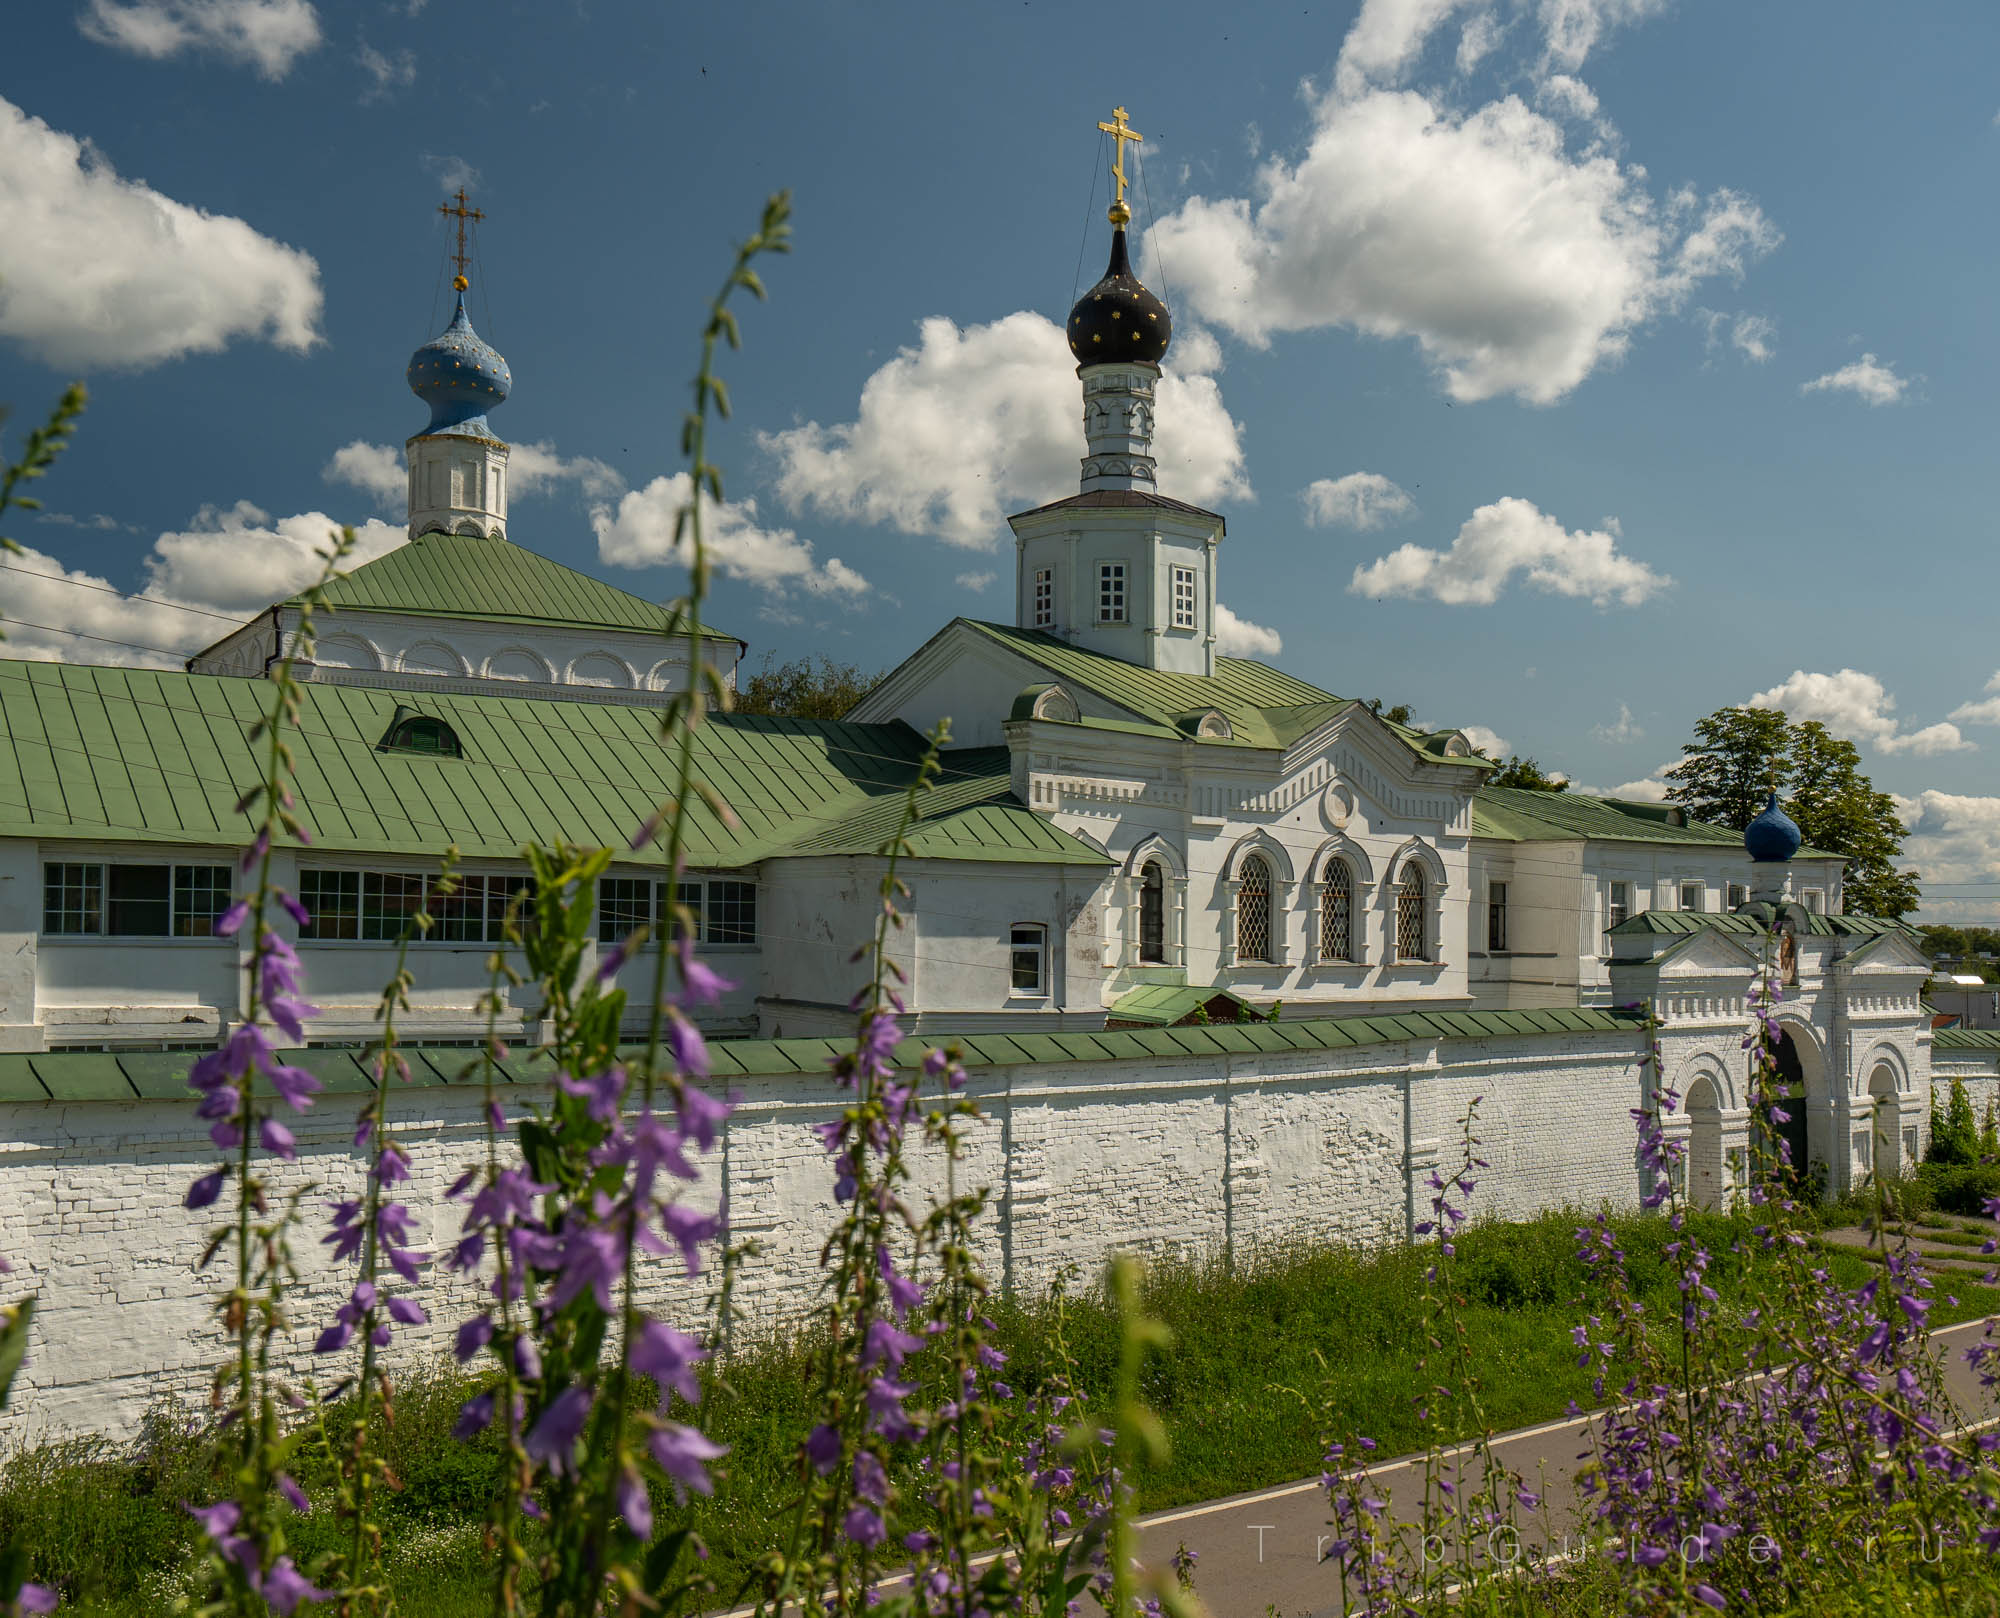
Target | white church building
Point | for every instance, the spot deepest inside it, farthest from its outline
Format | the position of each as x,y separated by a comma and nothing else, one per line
1194,922
1131,831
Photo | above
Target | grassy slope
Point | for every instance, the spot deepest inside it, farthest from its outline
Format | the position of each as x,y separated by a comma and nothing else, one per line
1341,1329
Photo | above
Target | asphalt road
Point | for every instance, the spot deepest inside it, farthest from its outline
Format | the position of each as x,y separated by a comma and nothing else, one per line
1259,1553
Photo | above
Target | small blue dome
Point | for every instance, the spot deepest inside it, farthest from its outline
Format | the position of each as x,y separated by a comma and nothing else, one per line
1773,837
459,375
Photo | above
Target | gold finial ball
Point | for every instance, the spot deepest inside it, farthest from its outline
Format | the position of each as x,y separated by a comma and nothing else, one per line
459,283
1119,214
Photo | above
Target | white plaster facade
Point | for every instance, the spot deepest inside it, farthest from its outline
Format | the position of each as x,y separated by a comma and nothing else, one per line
411,651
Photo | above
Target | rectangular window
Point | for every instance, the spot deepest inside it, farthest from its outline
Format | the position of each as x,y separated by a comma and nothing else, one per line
333,900
1029,958
72,898
477,912
1045,597
624,903
1183,598
1111,592
1694,896
388,900
732,912
138,901
1738,895
1815,900
1621,904
201,894
1496,916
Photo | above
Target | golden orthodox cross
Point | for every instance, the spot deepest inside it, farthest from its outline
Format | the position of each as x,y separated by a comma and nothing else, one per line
461,213
1121,132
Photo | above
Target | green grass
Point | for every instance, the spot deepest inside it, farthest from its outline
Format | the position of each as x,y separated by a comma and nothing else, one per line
1334,1327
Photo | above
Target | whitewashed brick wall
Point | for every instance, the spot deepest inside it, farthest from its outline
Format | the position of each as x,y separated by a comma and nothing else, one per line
1192,1156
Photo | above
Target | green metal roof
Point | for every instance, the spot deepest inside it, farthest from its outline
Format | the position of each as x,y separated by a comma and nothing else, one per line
101,1076
459,576
1163,1004
1518,815
155,755
1695,921
1265,707
1966,1039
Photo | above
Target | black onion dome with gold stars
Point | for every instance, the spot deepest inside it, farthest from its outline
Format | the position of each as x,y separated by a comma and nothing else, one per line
1118,319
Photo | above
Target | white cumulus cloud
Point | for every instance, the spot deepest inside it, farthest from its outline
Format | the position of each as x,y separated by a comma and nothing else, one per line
637,530
227,564
1360,500
1858,707
1868,379
975,581
1514,263
1238,637
96,270
388,71
1953,838
975,422
1986,711
1513,537
1622,729
268,35
1488,741
377,468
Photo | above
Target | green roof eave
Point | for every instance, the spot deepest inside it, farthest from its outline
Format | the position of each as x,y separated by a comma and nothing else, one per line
130,1076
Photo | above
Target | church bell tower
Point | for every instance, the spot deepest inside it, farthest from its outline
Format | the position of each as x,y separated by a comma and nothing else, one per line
458,468
1118,567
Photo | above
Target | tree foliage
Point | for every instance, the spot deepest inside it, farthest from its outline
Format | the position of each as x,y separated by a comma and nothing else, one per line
1527,774
1741,755
805,688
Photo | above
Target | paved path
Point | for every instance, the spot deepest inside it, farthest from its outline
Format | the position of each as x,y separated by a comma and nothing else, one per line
1260,1552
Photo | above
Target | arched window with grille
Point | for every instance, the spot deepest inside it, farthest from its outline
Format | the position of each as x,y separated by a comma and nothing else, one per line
1336,911
1412,944
1253,910
1153,915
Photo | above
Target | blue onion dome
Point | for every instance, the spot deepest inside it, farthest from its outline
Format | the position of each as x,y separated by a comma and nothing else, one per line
1773,837
459,375
1118,319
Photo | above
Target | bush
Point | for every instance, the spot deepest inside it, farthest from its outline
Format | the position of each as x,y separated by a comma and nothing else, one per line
1954,1134
1963,1189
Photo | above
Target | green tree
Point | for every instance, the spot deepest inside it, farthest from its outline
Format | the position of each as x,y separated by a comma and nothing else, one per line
1398,715
1838,808
1528,774
1954,1134
1737,758
805,688
1741,755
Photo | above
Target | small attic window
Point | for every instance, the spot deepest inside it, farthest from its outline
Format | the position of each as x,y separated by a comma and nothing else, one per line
1457,746
413,732
1213,726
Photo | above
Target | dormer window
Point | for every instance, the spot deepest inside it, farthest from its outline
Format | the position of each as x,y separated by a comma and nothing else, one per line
412,732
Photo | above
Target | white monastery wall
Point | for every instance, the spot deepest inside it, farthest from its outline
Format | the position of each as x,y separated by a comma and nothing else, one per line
1197,1156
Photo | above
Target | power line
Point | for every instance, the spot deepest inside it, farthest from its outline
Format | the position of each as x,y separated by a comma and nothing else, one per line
123,595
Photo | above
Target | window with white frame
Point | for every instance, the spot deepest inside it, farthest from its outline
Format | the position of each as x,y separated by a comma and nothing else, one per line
732,912
1737,894
88,899
1183,598
1045,597
1028,959
1496,918
1253,910
1111,592
1336,911
1412,925
625,903
1815,901
1618,907
376,906
1694,896
1153,915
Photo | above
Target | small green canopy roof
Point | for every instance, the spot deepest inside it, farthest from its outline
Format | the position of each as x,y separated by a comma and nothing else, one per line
1163,1005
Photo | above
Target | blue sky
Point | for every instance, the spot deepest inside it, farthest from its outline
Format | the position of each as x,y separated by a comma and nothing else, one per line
1566,368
